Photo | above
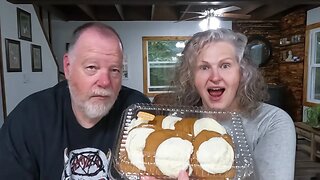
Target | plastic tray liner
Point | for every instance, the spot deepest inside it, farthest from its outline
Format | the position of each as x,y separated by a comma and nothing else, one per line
231,121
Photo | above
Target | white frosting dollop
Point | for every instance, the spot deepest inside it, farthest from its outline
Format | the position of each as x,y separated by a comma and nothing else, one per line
136,122
169,122
173,155
135,143
208,124
215,155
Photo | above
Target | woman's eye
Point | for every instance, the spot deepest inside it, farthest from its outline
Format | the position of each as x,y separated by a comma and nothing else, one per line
225,65
204,67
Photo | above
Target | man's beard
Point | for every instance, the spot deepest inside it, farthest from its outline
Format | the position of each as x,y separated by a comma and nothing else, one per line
96,109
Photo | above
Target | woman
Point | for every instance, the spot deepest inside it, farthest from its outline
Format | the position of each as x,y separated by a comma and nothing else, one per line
215,73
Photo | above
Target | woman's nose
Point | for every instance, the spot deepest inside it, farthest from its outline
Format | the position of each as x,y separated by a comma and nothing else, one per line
215,75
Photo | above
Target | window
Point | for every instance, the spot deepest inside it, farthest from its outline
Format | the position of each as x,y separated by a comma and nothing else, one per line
312,66
160,55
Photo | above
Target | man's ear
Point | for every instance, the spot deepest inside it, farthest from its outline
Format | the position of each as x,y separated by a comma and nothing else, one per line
66,65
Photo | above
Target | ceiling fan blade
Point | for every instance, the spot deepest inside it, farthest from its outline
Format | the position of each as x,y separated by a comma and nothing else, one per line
193,12
236,16
227,9
192,18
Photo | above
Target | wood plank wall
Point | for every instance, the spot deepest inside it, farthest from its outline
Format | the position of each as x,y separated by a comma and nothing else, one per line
277,70
291,74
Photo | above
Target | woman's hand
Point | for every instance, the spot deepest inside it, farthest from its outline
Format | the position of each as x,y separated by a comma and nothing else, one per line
183,175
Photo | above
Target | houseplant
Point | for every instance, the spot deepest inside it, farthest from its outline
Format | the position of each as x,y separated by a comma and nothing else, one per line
313,116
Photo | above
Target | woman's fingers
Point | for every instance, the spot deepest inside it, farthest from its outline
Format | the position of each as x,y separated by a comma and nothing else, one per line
183,175
147,178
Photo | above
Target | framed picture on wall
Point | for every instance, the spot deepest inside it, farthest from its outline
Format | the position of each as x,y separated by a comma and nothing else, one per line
36,58
13,55
24,25
125,74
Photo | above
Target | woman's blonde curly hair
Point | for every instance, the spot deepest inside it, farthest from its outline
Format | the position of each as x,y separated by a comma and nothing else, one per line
252,88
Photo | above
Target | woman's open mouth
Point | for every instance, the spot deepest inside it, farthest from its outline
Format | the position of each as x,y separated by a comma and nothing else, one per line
216,92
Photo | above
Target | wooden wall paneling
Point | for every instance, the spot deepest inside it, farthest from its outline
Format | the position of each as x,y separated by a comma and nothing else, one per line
277,70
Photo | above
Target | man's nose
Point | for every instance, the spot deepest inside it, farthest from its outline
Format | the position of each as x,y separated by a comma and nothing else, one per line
104,79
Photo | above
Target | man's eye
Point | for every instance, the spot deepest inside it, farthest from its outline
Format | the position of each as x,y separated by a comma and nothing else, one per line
91,70
91,67
115,70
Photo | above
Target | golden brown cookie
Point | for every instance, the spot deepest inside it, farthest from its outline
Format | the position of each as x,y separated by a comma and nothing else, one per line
153,142
157,122
186,125
197,170
125,166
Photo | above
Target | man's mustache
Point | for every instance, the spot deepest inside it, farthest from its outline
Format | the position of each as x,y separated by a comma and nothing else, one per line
102,92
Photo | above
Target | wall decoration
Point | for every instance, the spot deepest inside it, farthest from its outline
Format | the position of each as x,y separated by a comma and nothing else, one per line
13,55
24,25
125,74
36,58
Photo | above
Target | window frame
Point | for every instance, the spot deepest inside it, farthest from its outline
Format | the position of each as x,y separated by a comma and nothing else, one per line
309,65
146,63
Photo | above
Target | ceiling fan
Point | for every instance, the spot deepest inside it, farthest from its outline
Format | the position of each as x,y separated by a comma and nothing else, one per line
221,12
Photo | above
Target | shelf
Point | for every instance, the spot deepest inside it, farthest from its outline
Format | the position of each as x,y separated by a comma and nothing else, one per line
293,26
289,62
291,44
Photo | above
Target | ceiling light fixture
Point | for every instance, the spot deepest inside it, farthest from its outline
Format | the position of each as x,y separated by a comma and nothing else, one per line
210,22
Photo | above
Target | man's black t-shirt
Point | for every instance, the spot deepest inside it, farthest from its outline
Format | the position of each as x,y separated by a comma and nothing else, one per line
41,138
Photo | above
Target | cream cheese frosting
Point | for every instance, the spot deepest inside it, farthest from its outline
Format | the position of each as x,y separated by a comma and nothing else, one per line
169,121
208,124
135,143
136,122
173,155
215,155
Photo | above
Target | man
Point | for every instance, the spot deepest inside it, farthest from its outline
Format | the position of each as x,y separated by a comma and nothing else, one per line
65,132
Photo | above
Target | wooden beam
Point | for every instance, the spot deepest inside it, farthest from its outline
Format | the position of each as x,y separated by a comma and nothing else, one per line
88,11
152,11
55,11
270,10
156,2
110,2
163,12
120,11
247,8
